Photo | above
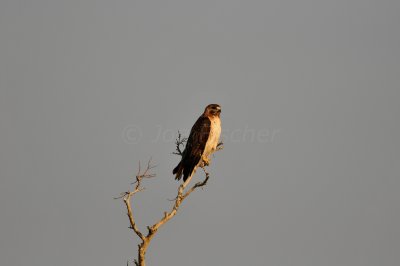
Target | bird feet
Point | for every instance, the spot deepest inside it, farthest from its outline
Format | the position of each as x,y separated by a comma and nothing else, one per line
206,160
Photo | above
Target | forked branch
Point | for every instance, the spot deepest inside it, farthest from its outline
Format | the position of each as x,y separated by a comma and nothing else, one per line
181,196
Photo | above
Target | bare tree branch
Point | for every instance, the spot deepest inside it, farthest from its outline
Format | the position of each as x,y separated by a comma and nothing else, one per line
181,196
127,200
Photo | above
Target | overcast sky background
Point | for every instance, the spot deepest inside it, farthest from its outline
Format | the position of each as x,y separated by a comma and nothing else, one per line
310,95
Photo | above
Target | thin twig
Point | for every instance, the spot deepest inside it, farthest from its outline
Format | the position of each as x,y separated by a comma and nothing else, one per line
178,143
220,146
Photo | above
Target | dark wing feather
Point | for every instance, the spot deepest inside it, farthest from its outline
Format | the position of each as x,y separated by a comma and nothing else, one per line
194,147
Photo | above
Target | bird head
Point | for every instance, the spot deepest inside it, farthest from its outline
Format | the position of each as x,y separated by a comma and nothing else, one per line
213,110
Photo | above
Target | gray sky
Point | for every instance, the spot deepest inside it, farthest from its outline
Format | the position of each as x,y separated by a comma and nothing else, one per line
310,97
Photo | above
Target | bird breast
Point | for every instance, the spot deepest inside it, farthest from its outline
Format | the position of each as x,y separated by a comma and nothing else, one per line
213,138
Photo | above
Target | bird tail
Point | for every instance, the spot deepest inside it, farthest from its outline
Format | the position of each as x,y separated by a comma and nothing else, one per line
190,167
186,169
178,170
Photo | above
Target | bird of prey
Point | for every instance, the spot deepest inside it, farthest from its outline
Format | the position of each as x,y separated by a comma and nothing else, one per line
202,142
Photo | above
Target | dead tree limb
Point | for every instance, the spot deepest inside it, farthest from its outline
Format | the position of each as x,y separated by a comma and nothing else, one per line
181,196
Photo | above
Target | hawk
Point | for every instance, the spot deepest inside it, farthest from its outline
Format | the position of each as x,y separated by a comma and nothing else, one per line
202,142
